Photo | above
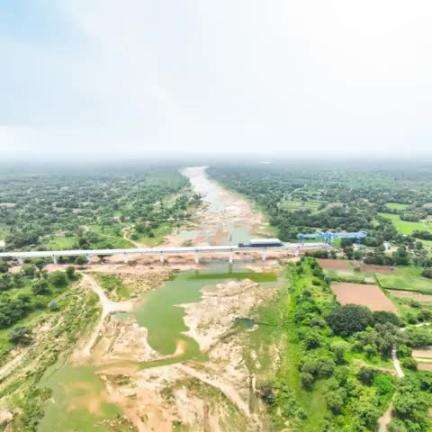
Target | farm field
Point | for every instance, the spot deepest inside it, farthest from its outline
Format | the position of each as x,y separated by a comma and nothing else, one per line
335,264
422,298
367,295
350,266
405,227
406,279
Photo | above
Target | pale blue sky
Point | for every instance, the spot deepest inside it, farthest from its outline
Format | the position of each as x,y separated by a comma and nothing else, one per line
303,77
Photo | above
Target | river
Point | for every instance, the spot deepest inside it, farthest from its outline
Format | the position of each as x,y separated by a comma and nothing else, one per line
79,400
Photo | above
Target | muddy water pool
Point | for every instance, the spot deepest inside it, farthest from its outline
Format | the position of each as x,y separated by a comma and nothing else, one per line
78,399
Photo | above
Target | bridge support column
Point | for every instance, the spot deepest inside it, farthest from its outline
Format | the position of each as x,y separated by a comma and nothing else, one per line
231,259
88,258
196,258
54,258
264,256
125,258
20,261
162,258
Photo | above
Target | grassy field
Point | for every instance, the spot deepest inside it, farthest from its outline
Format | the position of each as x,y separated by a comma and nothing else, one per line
110,238
300,205
407,279
114,286
397,206
159,235
60,243
405,227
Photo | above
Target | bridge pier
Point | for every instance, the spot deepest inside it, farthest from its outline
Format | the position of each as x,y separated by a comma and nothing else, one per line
125,258
162,258
54,258
264,256
231,259
196,259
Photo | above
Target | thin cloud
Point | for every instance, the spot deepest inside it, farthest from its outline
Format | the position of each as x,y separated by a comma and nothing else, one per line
301,78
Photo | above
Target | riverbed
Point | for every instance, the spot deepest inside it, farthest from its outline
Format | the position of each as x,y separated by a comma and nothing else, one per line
80,399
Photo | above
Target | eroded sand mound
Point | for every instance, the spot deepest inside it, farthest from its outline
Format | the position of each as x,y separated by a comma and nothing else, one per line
199,396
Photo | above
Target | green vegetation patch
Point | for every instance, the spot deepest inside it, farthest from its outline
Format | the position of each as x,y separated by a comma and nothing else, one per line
114,286
406,227
321,383
236,275
407,279
300,205
397,206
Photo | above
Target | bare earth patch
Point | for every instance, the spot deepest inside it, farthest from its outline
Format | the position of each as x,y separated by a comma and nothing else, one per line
425,353
412,295
194,394
372,268
335,264
424,366
363,294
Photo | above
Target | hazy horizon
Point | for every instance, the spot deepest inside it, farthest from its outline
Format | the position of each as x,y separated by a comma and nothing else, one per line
152,79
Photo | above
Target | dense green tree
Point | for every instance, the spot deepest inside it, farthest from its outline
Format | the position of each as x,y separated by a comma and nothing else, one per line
348,319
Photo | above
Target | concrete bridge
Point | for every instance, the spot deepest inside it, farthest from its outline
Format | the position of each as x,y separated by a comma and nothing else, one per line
295,248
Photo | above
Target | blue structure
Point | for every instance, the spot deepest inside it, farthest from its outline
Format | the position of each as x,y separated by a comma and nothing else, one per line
329,236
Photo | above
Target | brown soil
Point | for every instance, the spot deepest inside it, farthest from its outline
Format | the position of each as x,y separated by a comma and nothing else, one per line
335,264
363,294
425,353
348,266
412,295
371,268
424,366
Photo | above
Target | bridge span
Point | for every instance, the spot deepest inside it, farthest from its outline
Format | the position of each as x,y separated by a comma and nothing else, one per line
295,248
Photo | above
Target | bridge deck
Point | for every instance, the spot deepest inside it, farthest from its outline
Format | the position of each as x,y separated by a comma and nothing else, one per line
155,251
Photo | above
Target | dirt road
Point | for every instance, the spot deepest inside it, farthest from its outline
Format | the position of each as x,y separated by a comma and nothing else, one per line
108,307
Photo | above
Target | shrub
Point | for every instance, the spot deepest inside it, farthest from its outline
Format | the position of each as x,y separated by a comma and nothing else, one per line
267,394
3,266
58,279
70,273
339,349
80,260
409,363
404,351
311,339
418,337
40,287
366,375
335,401
383,317
20,335
29,270
307,380
427,273
349,319
383,383
409,406
397,426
